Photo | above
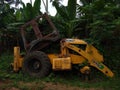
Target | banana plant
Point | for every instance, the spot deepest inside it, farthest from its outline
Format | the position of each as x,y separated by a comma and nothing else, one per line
28,12
66,16
24,14
6,14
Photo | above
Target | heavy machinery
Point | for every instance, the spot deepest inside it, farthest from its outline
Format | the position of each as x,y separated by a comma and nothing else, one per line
72,52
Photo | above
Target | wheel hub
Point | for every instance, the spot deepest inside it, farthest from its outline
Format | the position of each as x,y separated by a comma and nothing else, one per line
36,65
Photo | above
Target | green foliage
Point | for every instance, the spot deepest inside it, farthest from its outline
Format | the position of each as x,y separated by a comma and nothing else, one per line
71,8
28,11
103,22
6,15
37,4
66,18
61,11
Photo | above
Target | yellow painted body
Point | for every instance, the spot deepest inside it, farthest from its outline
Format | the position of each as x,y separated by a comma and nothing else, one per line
66,59
89,55
61,63
75,59
85,70
18,59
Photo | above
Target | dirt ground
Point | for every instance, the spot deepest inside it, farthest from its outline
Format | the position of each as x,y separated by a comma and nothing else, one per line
50,86
46,86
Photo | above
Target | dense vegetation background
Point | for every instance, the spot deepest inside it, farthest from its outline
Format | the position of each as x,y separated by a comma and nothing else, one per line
96,21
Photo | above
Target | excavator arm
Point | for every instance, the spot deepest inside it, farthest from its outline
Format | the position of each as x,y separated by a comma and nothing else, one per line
91,60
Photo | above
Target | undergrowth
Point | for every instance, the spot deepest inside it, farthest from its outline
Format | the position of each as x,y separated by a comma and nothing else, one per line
70,78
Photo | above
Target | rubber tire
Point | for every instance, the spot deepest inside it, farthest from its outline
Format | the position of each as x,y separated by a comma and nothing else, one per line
44,64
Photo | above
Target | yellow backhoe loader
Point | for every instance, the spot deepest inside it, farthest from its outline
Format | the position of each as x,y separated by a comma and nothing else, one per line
37,63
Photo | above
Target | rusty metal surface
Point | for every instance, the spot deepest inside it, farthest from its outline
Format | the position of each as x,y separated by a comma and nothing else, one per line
41,41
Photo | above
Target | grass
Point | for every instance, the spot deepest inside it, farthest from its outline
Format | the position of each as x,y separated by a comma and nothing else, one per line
68,78
22,86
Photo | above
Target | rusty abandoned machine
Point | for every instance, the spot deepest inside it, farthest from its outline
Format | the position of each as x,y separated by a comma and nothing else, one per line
39,64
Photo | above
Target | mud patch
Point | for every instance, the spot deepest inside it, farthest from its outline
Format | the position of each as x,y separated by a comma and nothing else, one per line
58,86
6,85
